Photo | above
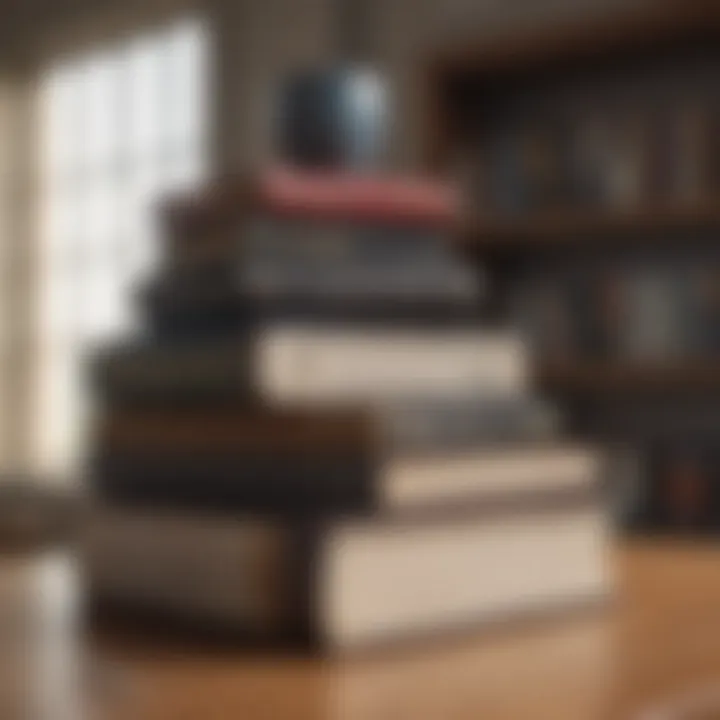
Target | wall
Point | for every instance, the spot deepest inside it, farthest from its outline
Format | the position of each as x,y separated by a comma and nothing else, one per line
18,348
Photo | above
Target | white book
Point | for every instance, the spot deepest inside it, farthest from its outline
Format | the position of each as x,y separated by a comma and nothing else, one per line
306,364
351,582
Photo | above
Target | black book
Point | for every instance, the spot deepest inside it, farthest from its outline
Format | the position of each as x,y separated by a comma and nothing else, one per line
219,310
319,463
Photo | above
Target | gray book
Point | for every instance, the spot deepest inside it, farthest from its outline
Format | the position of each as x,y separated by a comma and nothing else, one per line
470,421
657,323
276,256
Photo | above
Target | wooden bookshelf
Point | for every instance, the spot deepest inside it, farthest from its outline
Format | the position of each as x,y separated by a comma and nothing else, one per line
618,38
590,158
645,227
596,378
631,32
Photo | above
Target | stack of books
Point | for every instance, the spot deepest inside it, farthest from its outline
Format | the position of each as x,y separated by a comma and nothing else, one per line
318,440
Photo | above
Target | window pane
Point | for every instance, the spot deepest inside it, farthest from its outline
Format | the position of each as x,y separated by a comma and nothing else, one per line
186,76
104,307
58,303
145,94
184,170
101,91
98,219
61,129
121,127
140,242
60,218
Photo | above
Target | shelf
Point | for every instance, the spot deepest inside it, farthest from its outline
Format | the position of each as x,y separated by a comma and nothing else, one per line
648,226
625,34
597,377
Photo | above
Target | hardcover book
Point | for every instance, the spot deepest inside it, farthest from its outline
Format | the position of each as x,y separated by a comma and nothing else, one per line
310,462
470,421
345,584
221,310
316,365
279,192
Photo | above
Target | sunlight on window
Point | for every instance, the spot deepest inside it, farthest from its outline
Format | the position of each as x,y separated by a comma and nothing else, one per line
120,127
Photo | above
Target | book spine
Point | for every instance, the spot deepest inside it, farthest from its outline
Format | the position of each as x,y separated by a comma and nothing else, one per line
267,483
151,569
178,317
323,194
178,373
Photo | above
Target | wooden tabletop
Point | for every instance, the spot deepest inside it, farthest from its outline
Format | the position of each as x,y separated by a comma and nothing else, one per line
659,644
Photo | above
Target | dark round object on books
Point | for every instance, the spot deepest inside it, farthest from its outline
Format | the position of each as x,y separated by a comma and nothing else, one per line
335,119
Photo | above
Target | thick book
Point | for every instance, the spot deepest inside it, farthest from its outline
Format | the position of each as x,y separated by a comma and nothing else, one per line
218,310
400,278
316,463
261,241
347,584
470,421
310,364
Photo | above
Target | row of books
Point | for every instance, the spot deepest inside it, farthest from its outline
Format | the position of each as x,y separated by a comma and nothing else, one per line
671,485
609,157
663,460
656,311
348,467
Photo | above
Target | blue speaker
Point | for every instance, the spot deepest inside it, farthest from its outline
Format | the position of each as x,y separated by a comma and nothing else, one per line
334,120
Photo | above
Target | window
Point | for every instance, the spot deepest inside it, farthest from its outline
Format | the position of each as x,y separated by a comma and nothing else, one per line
120,126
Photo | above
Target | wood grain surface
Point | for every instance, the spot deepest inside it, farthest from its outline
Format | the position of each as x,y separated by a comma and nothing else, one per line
659,644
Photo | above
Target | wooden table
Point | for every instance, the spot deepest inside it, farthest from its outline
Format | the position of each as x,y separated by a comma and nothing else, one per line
661,641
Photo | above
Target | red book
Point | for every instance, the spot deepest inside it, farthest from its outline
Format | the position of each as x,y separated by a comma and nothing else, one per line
362,197
282,191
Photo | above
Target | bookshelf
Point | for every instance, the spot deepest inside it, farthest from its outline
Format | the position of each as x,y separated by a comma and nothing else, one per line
590,158
625,379
664,226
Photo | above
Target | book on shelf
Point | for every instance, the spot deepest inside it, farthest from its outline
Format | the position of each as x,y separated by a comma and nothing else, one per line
636,311
647,323
523,170
588,144
347,583
551,311
322,462
691,180
663,311
626,173
314,365
681,475
705,305
645,154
